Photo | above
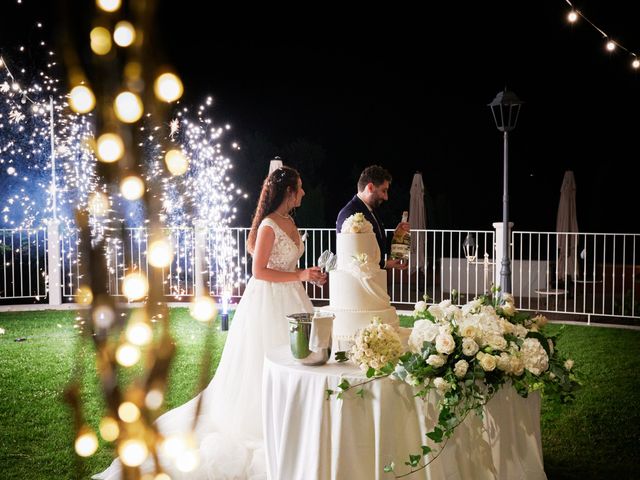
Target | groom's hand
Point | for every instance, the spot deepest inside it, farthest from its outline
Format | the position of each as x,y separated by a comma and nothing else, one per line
396,264
403,227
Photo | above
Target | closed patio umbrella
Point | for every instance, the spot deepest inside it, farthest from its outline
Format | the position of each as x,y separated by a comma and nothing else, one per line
567,221
417,219
274,164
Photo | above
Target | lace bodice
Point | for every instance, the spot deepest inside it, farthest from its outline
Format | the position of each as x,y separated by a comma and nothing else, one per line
285,253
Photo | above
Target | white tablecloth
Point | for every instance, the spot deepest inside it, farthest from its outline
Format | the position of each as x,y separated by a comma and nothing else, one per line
309,437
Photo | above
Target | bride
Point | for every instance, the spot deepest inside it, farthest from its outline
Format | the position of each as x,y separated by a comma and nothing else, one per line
228,434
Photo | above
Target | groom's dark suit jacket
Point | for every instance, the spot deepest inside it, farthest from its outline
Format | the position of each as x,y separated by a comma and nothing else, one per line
356,205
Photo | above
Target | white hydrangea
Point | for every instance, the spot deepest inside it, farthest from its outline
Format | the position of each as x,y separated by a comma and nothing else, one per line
535,357
420,306
357,223
423,331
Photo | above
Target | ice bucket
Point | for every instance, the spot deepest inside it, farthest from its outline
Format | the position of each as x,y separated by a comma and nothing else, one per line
300,334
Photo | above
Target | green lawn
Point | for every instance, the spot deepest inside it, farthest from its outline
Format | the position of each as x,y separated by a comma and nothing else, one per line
596,437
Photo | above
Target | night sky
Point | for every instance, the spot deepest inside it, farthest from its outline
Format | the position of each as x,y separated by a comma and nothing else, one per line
332,88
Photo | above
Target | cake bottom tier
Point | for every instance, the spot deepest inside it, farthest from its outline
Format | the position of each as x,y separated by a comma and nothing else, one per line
348,322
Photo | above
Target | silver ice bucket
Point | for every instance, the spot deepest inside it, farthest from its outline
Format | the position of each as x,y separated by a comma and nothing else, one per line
299,336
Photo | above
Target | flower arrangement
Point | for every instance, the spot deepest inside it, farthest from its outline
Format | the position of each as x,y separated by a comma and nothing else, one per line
465,354
357,223
375,346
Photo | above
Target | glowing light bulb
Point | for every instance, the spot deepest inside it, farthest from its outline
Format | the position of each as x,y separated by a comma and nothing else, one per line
154,399
572,17
108,5
173,446
100,40
128,412
127,355
110,147
132,187
177,163
109,429
188,460
128,107
139,333
168,87
611,46
162,476
98,204
86,443
84,295
203,309
103,316
133,452
635,63
160,253
124,34
81,99
135,286
11,170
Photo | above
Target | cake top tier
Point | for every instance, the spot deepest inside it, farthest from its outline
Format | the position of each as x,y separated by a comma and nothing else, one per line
357,223
361,246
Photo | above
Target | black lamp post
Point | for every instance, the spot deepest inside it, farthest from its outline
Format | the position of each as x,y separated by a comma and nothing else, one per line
505,109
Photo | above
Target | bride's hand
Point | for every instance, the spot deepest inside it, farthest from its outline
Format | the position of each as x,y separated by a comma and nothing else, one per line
313,274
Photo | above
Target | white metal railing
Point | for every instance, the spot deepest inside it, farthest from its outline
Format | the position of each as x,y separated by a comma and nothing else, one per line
24,263
578,273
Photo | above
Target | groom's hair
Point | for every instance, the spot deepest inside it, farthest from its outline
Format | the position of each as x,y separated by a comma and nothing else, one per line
373,174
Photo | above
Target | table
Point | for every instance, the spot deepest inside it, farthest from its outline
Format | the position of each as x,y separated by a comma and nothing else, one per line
467,278
309,437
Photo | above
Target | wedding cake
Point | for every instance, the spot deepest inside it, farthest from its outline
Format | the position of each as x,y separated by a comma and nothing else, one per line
358,286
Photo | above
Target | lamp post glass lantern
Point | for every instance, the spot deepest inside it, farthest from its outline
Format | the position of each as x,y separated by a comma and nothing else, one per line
505,109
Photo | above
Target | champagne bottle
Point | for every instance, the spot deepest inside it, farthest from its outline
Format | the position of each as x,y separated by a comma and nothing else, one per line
401,242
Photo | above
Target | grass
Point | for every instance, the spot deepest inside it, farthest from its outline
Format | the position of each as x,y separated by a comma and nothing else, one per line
598,436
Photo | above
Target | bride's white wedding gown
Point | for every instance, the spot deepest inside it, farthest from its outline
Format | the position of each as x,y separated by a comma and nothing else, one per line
229,428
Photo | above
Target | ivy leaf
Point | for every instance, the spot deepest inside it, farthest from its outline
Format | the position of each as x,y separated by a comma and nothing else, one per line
360,393
426,450
341,357
436,435
414,460
344,385
389,468
371,372
329,392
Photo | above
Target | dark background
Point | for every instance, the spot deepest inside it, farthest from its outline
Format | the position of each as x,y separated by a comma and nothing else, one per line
332,88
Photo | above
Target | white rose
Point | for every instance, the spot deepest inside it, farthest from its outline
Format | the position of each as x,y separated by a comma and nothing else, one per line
503,362
421,306
468,330
436,311
516,365
445,343
497,342
436,360
487,362
508,309
540,320
520,331
469,347
460,368
568,364
441,385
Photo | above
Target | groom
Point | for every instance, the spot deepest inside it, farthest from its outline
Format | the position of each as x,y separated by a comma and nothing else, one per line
373,187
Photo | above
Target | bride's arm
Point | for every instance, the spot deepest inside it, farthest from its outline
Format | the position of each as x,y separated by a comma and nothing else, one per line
262,250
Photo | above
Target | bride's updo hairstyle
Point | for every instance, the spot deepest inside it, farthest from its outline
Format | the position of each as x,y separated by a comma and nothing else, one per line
283,180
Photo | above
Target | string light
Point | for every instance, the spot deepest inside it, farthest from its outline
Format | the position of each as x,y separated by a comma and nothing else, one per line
168,87
135,286
132,187
82,99
86,442
108,5
160,253
124,34
110,147
100,40
109,429
610,45
133,452
128,107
